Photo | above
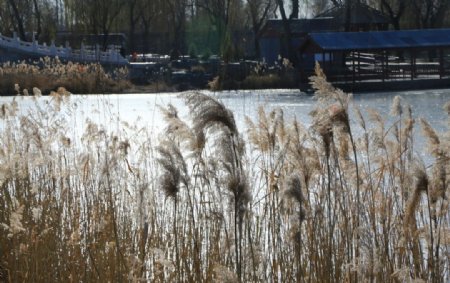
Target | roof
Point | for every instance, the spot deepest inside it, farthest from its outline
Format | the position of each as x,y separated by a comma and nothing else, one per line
360,13
376,40
298,26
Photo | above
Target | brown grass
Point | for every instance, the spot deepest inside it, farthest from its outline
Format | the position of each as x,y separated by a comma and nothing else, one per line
253,81
49,74
208,202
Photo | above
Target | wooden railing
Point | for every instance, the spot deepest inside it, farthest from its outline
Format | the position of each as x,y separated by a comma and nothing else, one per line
111,56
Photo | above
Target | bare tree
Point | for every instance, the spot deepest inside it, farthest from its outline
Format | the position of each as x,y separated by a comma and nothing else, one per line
98,16
430,13
259,11
148,12
318,6
219,12
295,9
223,14
177,10
287,38
25,15
18,18
348,14
6,22
37,12
347,5
109,11
133,18
395,10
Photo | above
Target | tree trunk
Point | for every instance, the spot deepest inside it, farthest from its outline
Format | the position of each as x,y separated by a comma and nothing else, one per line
146,38
18,19
348,15
257,48
394,16
295,9
288,33
132,45
38,18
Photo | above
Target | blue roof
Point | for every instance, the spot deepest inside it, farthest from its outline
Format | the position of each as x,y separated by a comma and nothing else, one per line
379,40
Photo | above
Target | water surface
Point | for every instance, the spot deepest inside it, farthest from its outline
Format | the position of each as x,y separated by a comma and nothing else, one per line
142,110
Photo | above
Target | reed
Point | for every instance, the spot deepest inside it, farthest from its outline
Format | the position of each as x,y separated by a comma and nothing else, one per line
345,199
48,74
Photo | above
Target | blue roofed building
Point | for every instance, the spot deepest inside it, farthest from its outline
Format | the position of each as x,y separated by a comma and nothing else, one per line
272,44
380,56
361,18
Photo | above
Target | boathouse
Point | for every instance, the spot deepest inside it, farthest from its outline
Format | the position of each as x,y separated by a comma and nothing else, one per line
272,42
361,17
419,57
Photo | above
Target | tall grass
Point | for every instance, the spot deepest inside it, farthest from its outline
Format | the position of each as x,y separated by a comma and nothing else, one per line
48,74
207,202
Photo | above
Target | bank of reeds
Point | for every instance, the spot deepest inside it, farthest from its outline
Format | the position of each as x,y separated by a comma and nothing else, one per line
208,202
281,76
48,74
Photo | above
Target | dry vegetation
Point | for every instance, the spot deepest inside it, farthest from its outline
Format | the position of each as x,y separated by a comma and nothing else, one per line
315,204
261,76
48,74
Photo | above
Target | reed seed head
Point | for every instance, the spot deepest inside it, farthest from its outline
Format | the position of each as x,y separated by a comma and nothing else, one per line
207,112
396,108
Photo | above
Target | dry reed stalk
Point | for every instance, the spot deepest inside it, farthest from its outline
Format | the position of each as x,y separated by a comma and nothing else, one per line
89,208
48,74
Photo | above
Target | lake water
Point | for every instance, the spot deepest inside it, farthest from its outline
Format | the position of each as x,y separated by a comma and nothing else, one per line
142,109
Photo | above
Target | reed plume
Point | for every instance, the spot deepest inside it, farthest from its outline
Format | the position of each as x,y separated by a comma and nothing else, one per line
421,182
294,191
207,112
332,114
174,169
179,131
396,107
269,132
70,210
447,107
323,89
434,142
174,174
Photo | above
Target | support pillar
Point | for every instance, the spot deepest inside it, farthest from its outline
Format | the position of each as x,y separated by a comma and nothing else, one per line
353,67
359,66
441,63
413,64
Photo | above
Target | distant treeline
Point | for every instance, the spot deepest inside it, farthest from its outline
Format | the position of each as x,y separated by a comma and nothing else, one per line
195,27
